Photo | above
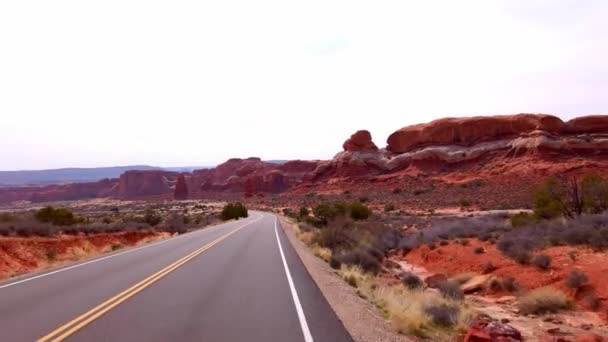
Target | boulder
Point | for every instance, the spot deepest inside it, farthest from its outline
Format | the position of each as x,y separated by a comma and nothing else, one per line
435,280
360,141
485,329
588,124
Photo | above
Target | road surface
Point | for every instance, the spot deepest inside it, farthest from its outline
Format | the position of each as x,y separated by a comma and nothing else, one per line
239,281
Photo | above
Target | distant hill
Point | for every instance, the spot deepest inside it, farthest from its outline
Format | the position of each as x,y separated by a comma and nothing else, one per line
67,175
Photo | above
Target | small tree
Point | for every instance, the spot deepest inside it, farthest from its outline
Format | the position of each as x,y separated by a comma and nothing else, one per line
234,210
558,197
595,194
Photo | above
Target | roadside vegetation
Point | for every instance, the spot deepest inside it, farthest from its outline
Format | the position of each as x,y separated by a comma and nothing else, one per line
354,242
234,211
50,221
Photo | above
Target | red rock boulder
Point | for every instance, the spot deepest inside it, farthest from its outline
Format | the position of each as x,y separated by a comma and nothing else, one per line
485,329
361,141
588,124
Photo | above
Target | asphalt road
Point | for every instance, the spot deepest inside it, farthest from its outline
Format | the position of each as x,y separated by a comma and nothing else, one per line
240,281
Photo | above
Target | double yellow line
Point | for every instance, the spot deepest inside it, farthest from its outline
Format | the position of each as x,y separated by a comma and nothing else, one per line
79,322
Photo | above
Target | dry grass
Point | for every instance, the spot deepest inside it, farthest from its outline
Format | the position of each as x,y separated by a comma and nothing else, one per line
407,309
321,252
543,300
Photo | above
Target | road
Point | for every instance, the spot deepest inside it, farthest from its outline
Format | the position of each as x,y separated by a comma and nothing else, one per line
239,281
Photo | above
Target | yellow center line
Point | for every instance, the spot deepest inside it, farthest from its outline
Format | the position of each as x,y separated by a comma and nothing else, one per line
86,318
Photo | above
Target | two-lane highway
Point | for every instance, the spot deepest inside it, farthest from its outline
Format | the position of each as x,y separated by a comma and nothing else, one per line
239,281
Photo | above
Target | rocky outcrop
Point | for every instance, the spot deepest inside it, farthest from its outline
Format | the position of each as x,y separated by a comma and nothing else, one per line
138,184
361,141
473,130
181,188
485,329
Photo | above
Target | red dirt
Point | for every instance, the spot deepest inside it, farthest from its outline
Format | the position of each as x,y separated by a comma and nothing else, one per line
455,259
23,255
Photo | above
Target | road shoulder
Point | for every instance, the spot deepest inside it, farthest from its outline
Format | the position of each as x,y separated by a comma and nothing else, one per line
360,318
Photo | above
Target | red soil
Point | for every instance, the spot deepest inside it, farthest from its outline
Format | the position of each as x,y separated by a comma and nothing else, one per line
455,259
23,255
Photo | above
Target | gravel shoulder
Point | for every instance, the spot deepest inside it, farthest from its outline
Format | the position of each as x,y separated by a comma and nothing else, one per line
362,320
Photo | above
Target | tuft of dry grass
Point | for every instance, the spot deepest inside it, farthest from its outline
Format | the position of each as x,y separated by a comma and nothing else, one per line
543,300
321,252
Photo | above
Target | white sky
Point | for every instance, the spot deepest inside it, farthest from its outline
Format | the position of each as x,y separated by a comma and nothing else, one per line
169,83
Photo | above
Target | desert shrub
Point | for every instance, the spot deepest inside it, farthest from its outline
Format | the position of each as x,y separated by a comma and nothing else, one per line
543,300
51,254
594,191
362,258
396,191
106,220
363,199
592,302
444,242
549,199
359,211
576,280
6,231
325,212
488,267
117,246
57,216
518,249
411,281
522,219
24,231
479,250
509,284
389,207
465,203
151,217
443,315
304,212
175,224
541,261
464,242
234,211
334,263
451,289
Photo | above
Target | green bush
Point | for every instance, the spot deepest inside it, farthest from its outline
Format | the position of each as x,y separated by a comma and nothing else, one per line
234,210
359,211
57,216
522,219
152,218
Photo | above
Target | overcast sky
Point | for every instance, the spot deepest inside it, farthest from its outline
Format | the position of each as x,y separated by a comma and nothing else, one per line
172,83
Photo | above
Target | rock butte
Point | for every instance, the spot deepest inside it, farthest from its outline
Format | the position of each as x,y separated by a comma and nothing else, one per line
544,144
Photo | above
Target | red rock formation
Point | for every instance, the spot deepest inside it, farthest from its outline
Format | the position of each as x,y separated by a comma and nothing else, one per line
137,184
361,141
468,131
75,191
181,188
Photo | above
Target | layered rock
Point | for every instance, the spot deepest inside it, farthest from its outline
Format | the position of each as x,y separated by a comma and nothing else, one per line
360,141
181,188
138,184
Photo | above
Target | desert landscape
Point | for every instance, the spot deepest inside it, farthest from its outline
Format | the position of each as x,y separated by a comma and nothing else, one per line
487,228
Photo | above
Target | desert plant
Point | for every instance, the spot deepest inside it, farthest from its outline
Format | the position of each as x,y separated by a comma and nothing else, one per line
541,261
543,300
234,211
443,315
389,207
304,212
479,250
57,216
359,211
411,281
451,289
151,217
576,280
488,267
522,219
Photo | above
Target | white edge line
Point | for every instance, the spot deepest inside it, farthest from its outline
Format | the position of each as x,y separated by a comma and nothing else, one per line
95,260
294,293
